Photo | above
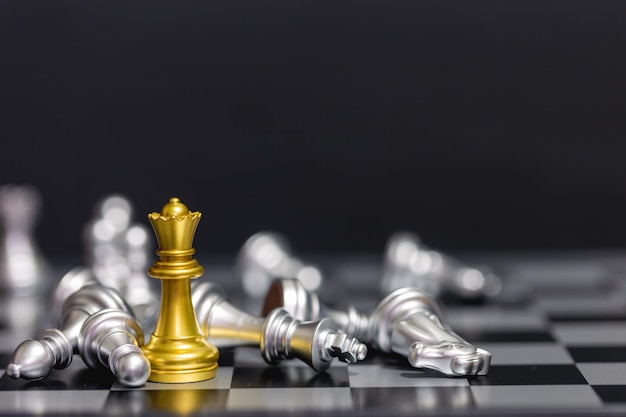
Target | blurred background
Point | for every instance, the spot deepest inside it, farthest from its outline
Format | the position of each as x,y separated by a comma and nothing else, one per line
480,125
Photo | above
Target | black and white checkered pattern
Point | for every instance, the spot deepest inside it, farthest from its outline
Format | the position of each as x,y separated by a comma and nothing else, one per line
557,334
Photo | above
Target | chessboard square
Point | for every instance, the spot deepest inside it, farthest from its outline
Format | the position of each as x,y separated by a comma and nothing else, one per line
75,377
290,399
222,380
591,333
592,302
367,376
411,399
604,373
611,393
530,375
377,357
536,396
503,336
248,356
599,354
493,318
181,401
288,376
45,402
527,354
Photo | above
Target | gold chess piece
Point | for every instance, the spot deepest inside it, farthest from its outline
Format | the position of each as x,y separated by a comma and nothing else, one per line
178,351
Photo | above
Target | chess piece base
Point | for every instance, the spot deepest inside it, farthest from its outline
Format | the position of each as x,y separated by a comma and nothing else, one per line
181,360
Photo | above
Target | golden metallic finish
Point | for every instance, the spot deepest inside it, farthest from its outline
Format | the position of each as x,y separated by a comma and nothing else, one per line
178,351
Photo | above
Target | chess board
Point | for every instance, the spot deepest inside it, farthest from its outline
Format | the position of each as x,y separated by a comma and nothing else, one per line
557,333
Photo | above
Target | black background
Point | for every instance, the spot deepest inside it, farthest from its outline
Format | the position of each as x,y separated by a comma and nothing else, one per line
478,124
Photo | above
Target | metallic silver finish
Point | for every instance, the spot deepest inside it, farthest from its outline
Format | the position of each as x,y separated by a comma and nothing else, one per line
279,336
88,300
110,339
23,268
408,322
409,263
71,282
34,359
119,253
266,256
142,293
290,294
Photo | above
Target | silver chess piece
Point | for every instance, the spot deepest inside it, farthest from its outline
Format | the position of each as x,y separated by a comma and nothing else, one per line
266,256
23,269
140,293
119,253
105,242
279,336
71,282
408,322
111,339
409,263
54,348
290,295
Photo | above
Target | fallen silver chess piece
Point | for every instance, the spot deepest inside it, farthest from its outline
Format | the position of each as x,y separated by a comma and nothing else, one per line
410,263
111,339
266,256
54,348
279,336
408,322
290,295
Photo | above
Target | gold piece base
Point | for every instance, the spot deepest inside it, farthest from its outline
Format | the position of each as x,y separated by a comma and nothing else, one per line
182,377
179,360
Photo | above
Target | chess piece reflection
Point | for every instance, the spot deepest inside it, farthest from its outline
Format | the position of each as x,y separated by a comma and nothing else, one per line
177,350
23,269
409,263
408,322
279,336
54,348
266,256
290,295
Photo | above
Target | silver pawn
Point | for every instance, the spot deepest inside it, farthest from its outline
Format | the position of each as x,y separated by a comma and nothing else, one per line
409,263
54,348
23,269
111,339
266,256
279,336
290,295
408,322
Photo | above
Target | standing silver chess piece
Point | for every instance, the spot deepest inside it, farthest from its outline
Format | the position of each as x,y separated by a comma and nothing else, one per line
290,295
408,322
23,269
141,293
279,336
409,263
266,256
119,253
105,241
54,348
111,338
